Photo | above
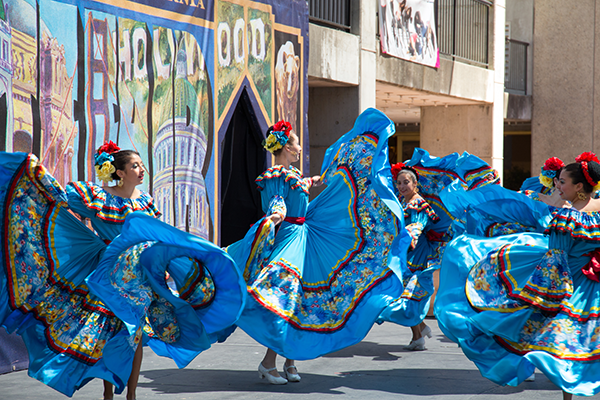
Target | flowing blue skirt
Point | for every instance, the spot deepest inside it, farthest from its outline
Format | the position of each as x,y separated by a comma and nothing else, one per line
324,282
71,333
533,184
464,171
493,210
518,302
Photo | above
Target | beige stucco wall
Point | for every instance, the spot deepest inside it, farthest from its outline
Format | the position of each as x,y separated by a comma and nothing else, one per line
451,129
566,79
452,78
333,55
332,112
345,68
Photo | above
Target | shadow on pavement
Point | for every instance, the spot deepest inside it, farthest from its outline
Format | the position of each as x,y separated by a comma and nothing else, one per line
418,382
380,352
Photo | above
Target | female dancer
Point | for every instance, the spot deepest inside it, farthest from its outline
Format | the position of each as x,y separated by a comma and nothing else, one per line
543,187
319,284
126,168
72,334
531,300
418,219
425,176
284,156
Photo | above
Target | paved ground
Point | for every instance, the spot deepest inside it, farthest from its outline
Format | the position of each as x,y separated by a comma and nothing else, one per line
377,368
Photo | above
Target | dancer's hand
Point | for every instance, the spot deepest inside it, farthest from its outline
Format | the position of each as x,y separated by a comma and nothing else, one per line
275,218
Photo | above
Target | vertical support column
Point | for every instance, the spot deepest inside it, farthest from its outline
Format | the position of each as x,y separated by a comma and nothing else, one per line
499,19
563,120
364,24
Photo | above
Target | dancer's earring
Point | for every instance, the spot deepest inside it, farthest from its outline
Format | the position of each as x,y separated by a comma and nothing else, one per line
581,196
120,183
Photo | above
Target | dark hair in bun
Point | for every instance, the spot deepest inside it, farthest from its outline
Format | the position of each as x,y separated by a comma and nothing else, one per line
575,171
121,159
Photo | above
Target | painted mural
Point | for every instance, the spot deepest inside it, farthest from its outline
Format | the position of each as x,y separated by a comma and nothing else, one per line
159,77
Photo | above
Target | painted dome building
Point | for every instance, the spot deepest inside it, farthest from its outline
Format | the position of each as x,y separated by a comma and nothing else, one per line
179,152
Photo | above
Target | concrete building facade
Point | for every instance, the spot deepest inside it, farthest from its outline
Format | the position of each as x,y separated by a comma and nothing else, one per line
565,121
459,106
556,114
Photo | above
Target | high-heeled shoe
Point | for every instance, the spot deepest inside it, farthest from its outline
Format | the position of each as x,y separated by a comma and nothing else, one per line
273,380
289,376
416,345
426,332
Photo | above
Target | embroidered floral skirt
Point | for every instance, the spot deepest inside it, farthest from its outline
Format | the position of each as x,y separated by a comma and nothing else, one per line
318,287
464,171
72,334
519,302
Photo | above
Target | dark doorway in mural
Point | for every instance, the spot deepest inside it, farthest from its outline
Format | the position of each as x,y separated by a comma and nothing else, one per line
243,160
22,141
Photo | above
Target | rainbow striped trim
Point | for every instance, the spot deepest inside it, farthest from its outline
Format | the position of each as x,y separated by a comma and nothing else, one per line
580,225
292,175
112,208
524,348
419,205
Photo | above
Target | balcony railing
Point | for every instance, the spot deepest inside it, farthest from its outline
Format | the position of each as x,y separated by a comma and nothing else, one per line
463,29
463,26
515,67
333,13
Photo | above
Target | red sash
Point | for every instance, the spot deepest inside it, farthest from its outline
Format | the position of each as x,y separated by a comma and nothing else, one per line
434,236
592,268
295,220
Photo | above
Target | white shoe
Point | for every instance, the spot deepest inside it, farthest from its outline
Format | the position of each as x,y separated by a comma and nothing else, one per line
289,376
426,332
273,380
416,345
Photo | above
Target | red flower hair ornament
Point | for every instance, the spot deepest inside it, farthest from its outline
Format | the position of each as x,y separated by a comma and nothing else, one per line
587,156
103,161
398,167
283,126
583,159
278,137
109,147
553,164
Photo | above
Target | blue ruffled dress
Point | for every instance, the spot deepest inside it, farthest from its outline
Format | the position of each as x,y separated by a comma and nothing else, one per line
411,308
317,284
493,210
465,171
81,306
431,226
533,184
520,301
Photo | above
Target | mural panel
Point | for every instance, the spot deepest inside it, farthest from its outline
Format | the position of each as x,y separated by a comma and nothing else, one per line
159,77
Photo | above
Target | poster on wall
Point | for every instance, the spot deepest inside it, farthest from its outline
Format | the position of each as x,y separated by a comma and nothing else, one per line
407,30
163,78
